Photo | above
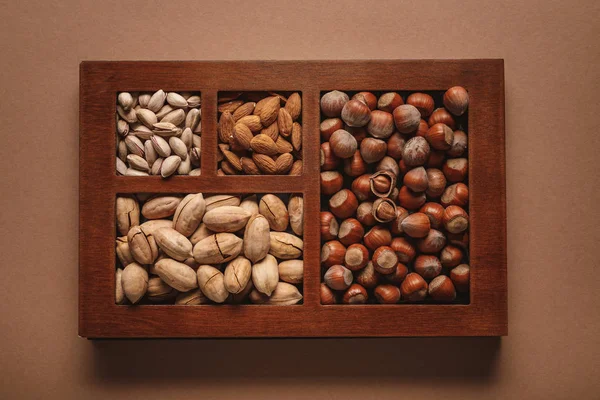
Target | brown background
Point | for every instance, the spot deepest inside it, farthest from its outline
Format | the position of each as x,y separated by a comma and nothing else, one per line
552,54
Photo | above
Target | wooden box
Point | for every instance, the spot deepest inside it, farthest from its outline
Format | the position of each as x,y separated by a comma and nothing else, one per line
100,317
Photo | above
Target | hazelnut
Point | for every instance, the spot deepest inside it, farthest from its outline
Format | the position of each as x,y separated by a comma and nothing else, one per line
361,187
442,289
331,182
333,102
338,277
455,219
372,150
368,277
343,144
332,253
385,260
384,210
389,101
404,250
451,256
329,161
456,169
355,165
387,294
381,124
423,102
376,237
355,294
396,223
422,129
433,243
395,146
388,164
459,239
343,204
456,100
351,231
416,225
382,183
440,137
329,126
327,296
364,213
403,168
416,179
457,195
356,113
414,287
436,159
460,276
416,152
443,116
435,212
368,98
329,226
436,182
459,144
359,133
427,266
406,118
409,199
398,275
357,257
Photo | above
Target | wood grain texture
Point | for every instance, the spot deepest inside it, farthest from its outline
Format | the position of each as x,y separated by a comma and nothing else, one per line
99,317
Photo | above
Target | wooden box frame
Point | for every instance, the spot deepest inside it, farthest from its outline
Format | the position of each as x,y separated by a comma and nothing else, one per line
100,317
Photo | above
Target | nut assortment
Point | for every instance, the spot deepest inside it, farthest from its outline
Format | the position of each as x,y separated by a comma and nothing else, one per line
209,249
394,208
260,133
158,133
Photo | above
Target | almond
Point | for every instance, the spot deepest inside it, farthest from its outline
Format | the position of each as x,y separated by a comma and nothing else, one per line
249,167
284,163
252,122
226,125
263,144
230,106
271,131
243,110
242,135
284,122
296,168
294,105
265,163
297,136
283,146
233,159
267,110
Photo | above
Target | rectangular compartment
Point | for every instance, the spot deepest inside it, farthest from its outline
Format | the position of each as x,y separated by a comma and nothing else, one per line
100,317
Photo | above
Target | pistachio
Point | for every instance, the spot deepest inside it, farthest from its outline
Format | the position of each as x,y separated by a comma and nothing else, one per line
146,117
156,101
161,146
175,117
169,166
178,147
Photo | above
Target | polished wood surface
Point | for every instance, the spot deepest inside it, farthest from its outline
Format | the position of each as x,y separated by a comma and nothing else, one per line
100,317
